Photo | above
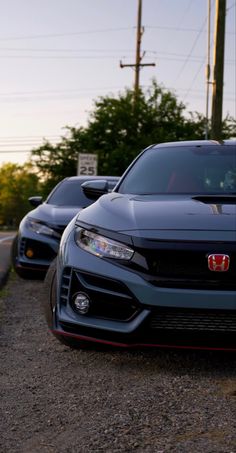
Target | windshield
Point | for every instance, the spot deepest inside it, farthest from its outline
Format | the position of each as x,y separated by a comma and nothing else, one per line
183,170
69,193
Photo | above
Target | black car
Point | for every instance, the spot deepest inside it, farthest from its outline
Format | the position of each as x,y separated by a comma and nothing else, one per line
37,240
153,263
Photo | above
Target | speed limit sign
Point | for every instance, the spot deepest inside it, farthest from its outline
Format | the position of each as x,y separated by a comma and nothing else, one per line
87,164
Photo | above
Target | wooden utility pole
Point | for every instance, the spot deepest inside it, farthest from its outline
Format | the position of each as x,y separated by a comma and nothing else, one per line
208,69
138,63
218,70
138,47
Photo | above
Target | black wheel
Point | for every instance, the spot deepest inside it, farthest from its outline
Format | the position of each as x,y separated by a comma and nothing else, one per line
49,294
14,251
48,305
14,259
27,274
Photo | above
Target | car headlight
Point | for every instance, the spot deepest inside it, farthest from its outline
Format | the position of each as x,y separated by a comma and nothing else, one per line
39,228
102,246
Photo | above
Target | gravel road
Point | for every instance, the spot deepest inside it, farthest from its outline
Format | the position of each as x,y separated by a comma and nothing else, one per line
54,399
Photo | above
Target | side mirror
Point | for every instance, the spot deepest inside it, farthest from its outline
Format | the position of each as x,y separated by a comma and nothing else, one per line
35,201
95,188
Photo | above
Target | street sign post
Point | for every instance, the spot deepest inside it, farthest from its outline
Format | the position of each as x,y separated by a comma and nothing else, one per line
87,164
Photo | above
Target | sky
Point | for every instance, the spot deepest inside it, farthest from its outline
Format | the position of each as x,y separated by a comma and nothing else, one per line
59,56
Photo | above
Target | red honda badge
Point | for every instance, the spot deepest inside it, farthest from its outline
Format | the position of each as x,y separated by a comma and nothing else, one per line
218,263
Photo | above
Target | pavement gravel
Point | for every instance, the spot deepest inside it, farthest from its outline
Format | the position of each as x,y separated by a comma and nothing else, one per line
55,399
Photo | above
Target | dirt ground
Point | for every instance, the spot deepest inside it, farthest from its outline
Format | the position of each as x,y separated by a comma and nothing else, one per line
54,399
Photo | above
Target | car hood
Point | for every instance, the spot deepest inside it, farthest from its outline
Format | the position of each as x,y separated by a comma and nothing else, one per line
54,215
166,216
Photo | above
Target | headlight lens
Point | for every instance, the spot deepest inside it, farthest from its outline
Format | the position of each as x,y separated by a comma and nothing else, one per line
40,228
102,246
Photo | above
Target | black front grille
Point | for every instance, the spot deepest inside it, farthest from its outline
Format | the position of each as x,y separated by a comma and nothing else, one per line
170,319
186,266
192,264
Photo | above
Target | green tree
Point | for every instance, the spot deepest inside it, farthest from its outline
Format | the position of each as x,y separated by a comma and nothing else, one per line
229,127
118,130
55,162
17,184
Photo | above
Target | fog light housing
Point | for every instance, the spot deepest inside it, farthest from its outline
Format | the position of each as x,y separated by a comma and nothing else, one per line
29,253
82,303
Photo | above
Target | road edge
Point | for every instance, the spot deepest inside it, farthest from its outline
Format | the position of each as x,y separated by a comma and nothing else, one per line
5,265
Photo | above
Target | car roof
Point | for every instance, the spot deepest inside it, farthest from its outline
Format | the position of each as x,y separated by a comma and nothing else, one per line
86,178
197,143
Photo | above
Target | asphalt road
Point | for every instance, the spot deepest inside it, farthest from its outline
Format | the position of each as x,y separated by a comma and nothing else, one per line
5,249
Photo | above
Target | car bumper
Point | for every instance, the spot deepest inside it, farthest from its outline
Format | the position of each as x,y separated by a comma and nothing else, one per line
35,252
128,311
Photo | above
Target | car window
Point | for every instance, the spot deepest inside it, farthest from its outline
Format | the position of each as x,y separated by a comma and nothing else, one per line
210,169
69,193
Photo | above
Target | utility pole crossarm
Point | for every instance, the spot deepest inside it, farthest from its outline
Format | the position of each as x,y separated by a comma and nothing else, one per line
134,65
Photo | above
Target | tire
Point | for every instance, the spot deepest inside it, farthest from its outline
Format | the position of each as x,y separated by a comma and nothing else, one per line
49,303
26,274
49,294
14,252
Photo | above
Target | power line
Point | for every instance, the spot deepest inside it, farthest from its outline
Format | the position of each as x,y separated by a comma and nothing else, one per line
23,137
26,49
55,35
77,94
151,51
105,30
195,77
191,51
180,21
51,57
15,151
188,7
203,62
72,91
29,137
107,57
182,29
156,53
230,7
70,50
6,145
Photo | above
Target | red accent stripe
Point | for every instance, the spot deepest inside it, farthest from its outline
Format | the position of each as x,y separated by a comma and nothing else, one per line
138,345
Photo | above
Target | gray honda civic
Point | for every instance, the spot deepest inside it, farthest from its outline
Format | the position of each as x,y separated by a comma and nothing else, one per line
153,263
37,240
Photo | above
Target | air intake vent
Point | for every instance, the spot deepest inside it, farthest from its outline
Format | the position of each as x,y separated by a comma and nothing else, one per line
194,320
65,285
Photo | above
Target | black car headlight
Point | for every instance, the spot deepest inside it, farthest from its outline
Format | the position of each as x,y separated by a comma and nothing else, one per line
40,228
102,246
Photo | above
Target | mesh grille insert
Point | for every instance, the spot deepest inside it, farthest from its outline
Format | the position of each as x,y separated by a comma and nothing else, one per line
195,320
